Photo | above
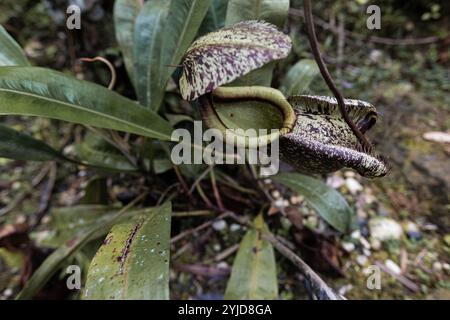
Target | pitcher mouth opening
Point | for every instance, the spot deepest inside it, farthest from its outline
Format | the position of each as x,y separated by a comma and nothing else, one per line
214,107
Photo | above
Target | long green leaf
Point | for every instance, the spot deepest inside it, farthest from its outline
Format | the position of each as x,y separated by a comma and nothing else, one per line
148,35
11,54
160,44
19,146
186,18
47,93
299,77
215,17
328,203
56,260
254,274
125,14
96,191
67,222
275,12
133,262
95,151
271,11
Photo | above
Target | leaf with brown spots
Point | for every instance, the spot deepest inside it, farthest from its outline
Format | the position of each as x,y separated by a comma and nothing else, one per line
254,273
133,262
56,260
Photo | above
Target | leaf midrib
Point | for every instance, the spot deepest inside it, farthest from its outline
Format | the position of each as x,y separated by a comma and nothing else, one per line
80,108
150,70
180,39
255,265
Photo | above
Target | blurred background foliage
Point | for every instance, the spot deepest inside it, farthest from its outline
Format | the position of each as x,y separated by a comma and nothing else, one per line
409,84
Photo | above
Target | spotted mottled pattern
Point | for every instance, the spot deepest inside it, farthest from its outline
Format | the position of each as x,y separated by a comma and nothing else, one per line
322,142
229,53
358,110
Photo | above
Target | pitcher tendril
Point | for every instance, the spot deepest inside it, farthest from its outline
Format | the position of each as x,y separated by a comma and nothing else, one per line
112,82
366,145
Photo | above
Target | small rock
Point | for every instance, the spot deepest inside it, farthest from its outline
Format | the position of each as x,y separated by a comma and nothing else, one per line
16,185
219,225
410,227
412,231
295,199
8,292
437,136
429,227
335,181
349,174
367,252
367,196
384,229
437,266
391,265
353,185
362,260
223,265
348,246
312,221
376,244
375,55
276,194
365,243
344,289
234,227
280,203
356,234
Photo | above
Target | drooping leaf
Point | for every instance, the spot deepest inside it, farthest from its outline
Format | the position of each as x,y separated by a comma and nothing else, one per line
186,18
125,13
254,275
95,151
274,12
11,54
20,146
96,191
47,93
148,34
222,56
133,262
160,45
175,119
328,203
299,77
67,222
55,260
154,156
215,17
